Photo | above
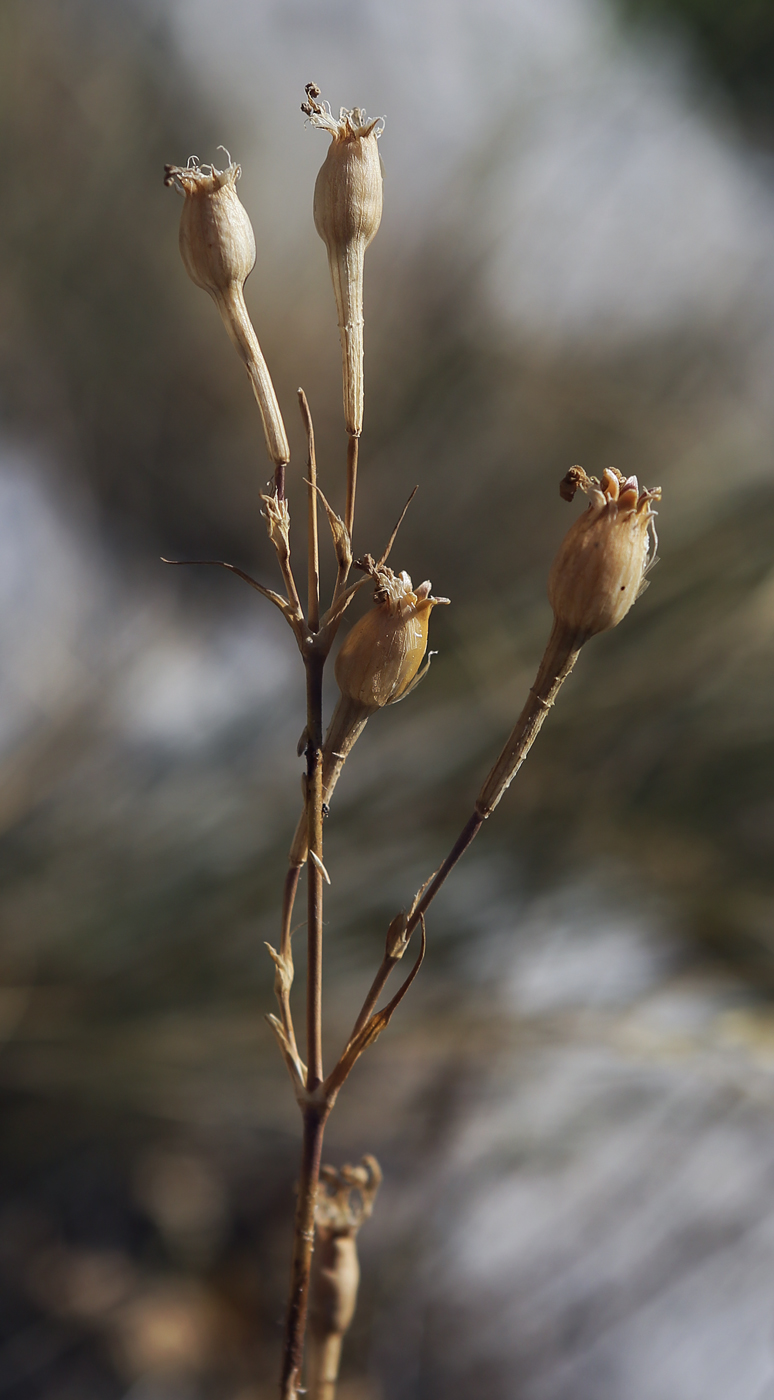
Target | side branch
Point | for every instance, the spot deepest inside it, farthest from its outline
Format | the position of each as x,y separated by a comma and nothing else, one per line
353,446
558,660
313,580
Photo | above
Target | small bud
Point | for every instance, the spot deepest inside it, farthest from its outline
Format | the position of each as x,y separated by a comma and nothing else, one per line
603,560
397,942
217,246
347,214
382,654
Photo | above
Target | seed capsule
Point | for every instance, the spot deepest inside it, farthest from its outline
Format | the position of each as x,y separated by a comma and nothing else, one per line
382,654
378,664
603,560
347,214
217,246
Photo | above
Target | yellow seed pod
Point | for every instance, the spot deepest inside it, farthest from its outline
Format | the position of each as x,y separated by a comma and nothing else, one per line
382,654
602,563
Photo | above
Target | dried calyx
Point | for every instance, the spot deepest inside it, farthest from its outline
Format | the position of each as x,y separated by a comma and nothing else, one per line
217,246
345,1200
347,213
602,564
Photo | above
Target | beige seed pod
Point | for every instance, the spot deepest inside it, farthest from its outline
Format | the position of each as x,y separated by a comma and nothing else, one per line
347,214
599,571
381,655
217,246
345,1200
602,563
378,664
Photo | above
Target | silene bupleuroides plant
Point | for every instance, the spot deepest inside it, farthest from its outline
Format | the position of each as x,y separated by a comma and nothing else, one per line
599,571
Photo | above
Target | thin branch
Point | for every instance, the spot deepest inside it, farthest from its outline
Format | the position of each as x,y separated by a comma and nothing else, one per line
373,1027
280,602
394,534
559,657
342,545
353,444
296,1067
314,871
283,980
314,551
558,660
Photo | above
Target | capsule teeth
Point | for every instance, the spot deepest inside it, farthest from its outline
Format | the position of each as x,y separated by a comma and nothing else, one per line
610,484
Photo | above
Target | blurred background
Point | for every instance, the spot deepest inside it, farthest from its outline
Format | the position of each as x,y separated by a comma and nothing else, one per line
573,1108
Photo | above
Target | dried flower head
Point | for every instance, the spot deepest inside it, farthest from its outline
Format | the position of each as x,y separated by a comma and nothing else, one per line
382,654
347,214
603,560
217,245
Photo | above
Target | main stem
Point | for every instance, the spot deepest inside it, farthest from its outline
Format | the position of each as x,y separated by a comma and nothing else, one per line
314,1114
303,1247
314,868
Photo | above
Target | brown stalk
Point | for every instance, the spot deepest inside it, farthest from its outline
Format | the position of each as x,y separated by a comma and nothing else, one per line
316,1106
283,984
315,1116
313,617
558,660
231,304
559,657
353,446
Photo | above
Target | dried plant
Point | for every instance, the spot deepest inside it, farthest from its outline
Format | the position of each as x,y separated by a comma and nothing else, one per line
599,571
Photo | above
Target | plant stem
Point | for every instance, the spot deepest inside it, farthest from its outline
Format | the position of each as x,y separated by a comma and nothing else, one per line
353,444
303,1246
314,552
286,949
314,801
559,657
231,305
314,1114
324,1365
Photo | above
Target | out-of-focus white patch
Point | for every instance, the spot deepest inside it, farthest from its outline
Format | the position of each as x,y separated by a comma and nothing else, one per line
180,691
70,637
567,951
608,962
49,593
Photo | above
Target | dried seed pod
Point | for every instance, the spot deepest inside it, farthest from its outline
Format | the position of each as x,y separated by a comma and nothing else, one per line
217,246
347,214
378,664
345,1199
381,655
599,571
602,563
